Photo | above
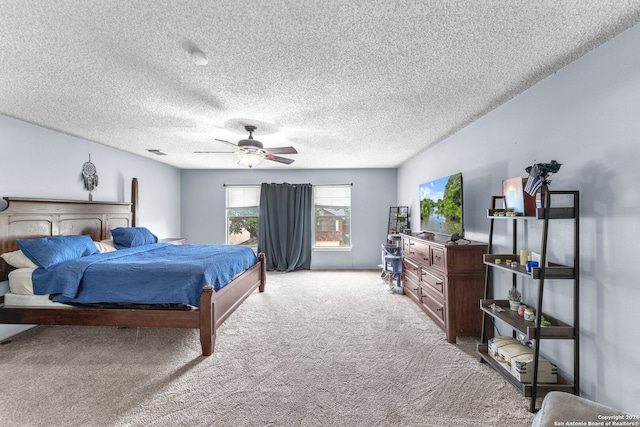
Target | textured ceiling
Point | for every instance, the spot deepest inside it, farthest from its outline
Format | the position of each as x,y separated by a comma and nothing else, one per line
349,83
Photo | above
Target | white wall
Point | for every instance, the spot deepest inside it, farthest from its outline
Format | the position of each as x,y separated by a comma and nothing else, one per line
373,192
586,116
38,162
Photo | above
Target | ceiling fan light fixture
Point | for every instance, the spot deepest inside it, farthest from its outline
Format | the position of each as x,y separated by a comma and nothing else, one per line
251,152
250,159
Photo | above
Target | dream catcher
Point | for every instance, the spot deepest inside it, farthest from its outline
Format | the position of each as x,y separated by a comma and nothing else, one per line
90,177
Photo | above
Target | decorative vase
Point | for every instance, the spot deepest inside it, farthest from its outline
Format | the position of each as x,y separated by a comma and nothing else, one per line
513,305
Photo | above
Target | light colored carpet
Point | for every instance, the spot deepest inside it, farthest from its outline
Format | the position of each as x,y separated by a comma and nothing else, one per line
318,348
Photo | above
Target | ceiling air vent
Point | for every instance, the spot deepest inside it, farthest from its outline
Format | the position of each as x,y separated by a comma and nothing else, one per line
156,151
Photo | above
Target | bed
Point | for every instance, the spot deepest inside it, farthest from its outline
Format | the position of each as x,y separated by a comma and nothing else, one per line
26,218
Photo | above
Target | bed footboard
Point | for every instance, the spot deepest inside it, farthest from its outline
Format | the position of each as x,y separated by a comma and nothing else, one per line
216,307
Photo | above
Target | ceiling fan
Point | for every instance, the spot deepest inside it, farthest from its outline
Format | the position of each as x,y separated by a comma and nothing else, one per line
251,151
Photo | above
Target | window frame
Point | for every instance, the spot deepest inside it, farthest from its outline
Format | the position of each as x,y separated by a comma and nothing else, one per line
316,247
228,189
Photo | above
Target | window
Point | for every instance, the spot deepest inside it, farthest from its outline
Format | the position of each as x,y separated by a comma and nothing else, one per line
332,207
243,208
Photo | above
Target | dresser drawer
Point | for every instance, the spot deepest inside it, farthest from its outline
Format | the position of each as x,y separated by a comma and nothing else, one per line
437,258
419,251
433,306
411,269
434,282
410,285
406,245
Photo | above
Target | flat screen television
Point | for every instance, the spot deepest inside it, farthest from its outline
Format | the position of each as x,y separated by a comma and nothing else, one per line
441,205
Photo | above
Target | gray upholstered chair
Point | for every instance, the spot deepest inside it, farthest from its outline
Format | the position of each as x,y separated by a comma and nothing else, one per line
559,407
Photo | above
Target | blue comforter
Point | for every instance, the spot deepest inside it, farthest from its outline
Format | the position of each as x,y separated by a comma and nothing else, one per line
151,274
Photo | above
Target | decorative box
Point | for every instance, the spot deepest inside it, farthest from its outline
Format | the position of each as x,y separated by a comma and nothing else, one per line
522,369
517,358
496,342
509,351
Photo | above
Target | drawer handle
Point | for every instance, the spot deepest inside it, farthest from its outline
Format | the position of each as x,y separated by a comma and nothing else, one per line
439,309
425,259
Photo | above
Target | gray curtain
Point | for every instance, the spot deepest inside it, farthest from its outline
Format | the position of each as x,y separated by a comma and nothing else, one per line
284,231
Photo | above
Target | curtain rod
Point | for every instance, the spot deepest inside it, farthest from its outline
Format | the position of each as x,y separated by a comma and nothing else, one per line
254,185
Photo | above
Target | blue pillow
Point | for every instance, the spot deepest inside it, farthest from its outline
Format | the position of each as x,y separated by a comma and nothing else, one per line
49,251
128,237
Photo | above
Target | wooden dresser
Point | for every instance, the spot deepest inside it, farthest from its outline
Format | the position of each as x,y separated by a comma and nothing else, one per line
446,281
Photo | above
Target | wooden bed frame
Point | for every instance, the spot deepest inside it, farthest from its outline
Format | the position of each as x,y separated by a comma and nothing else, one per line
31,218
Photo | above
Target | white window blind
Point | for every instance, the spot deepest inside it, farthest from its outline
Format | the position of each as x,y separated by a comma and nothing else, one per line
243,197
333,195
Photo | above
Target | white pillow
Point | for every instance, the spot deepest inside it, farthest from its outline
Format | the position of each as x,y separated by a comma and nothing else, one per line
105,246
20,281
18,259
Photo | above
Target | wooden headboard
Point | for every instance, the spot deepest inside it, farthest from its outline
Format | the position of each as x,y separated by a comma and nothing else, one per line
26,218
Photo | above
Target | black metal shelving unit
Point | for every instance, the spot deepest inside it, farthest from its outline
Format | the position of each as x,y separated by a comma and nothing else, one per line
546,270
398,219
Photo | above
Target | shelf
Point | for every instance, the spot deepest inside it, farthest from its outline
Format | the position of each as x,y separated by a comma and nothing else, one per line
398,219
558,330
524,388
554,213
567,208
552,270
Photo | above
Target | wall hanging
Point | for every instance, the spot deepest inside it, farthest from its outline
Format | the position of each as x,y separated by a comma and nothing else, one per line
90,177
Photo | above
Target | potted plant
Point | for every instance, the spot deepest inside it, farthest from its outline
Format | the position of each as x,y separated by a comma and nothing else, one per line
515,297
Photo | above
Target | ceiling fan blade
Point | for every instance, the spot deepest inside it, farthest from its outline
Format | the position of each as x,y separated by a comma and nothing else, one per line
280,150
227,142
279,159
